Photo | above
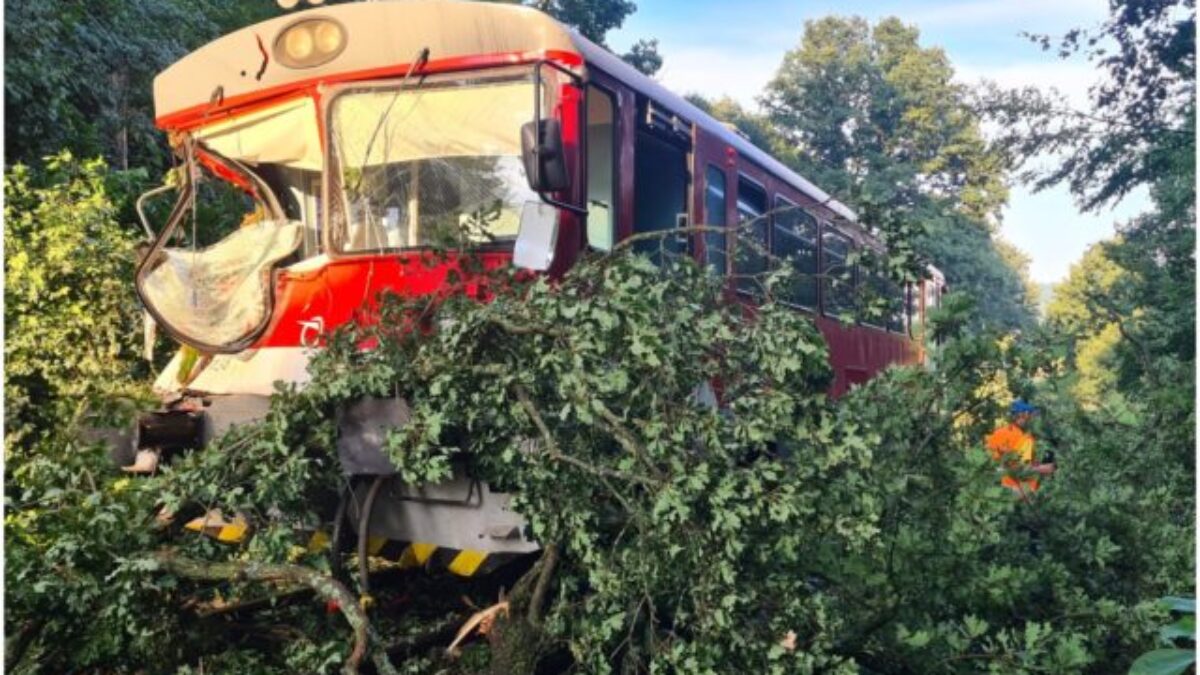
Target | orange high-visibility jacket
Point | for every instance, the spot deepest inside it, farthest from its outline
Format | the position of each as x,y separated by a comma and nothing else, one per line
1012,446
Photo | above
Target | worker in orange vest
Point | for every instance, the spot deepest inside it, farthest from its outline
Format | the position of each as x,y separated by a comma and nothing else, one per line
1013,446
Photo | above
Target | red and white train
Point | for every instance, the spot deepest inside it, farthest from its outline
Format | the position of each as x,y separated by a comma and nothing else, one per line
364,131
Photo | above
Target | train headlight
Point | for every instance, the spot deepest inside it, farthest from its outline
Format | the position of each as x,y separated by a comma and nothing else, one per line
310,42
298,44
328,37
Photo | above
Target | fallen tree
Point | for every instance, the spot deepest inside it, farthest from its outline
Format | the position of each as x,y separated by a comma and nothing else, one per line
779,531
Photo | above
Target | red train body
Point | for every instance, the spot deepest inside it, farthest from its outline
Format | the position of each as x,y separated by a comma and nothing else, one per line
362,131
639,158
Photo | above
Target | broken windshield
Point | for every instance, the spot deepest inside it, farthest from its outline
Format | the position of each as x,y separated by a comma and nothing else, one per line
206,279
438,164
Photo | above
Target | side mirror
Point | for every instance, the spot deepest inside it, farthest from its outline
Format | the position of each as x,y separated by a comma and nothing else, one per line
537,237
542,154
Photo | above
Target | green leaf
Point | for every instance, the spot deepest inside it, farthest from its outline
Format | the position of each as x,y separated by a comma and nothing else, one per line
918,639
1183,628
975,626
1179,604
1163,662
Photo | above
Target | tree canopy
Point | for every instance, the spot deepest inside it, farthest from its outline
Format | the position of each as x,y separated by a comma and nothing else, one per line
876,119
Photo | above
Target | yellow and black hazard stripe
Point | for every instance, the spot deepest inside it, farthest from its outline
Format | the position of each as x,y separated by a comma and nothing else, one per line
215,526
464,563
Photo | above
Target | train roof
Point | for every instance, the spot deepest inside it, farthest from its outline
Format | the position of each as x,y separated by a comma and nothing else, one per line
614,65
240,66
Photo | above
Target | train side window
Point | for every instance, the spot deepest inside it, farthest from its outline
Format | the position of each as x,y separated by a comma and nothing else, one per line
930,289
660,191
892,296
910,308
876,285
753,234
796,241
715,243
838,277
299,194
897,319
601,144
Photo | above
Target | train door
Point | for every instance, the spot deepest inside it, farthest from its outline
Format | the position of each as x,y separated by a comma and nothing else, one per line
661,179
715,168
752,240
602,162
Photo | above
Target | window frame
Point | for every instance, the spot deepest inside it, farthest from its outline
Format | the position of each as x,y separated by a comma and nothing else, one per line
616,161
331,178
709,170
827,227
783,202
894,294
740,231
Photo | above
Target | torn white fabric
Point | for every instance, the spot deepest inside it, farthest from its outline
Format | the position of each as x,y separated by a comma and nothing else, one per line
218,295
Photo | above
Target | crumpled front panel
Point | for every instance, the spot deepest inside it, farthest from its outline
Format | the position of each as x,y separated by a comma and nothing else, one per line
219,295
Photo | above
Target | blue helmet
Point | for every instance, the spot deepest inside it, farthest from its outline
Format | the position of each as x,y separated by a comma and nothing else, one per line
1019,406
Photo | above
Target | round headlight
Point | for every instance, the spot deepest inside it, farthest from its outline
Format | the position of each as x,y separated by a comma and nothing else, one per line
309,43
298,43
328,36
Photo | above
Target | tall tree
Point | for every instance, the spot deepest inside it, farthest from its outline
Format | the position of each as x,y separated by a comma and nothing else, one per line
1076,313
877,119
988,269
1129,307
1141,113
1139,132
78,74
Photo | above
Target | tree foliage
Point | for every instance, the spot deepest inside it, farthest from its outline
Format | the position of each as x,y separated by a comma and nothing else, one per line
1138,129
875,118
78,74
779,532
1135,294
984,267
67,265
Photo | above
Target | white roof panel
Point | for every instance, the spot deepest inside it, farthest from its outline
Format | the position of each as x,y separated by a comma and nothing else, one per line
386,34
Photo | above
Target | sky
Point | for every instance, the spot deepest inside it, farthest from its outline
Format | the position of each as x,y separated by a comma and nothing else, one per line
733,47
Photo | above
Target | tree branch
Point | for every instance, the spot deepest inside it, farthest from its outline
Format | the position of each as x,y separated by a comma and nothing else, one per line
615,426
553,451
325,587
538,599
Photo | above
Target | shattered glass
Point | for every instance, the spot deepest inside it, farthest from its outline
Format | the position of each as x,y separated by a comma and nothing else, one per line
430,165
210,282
217,295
